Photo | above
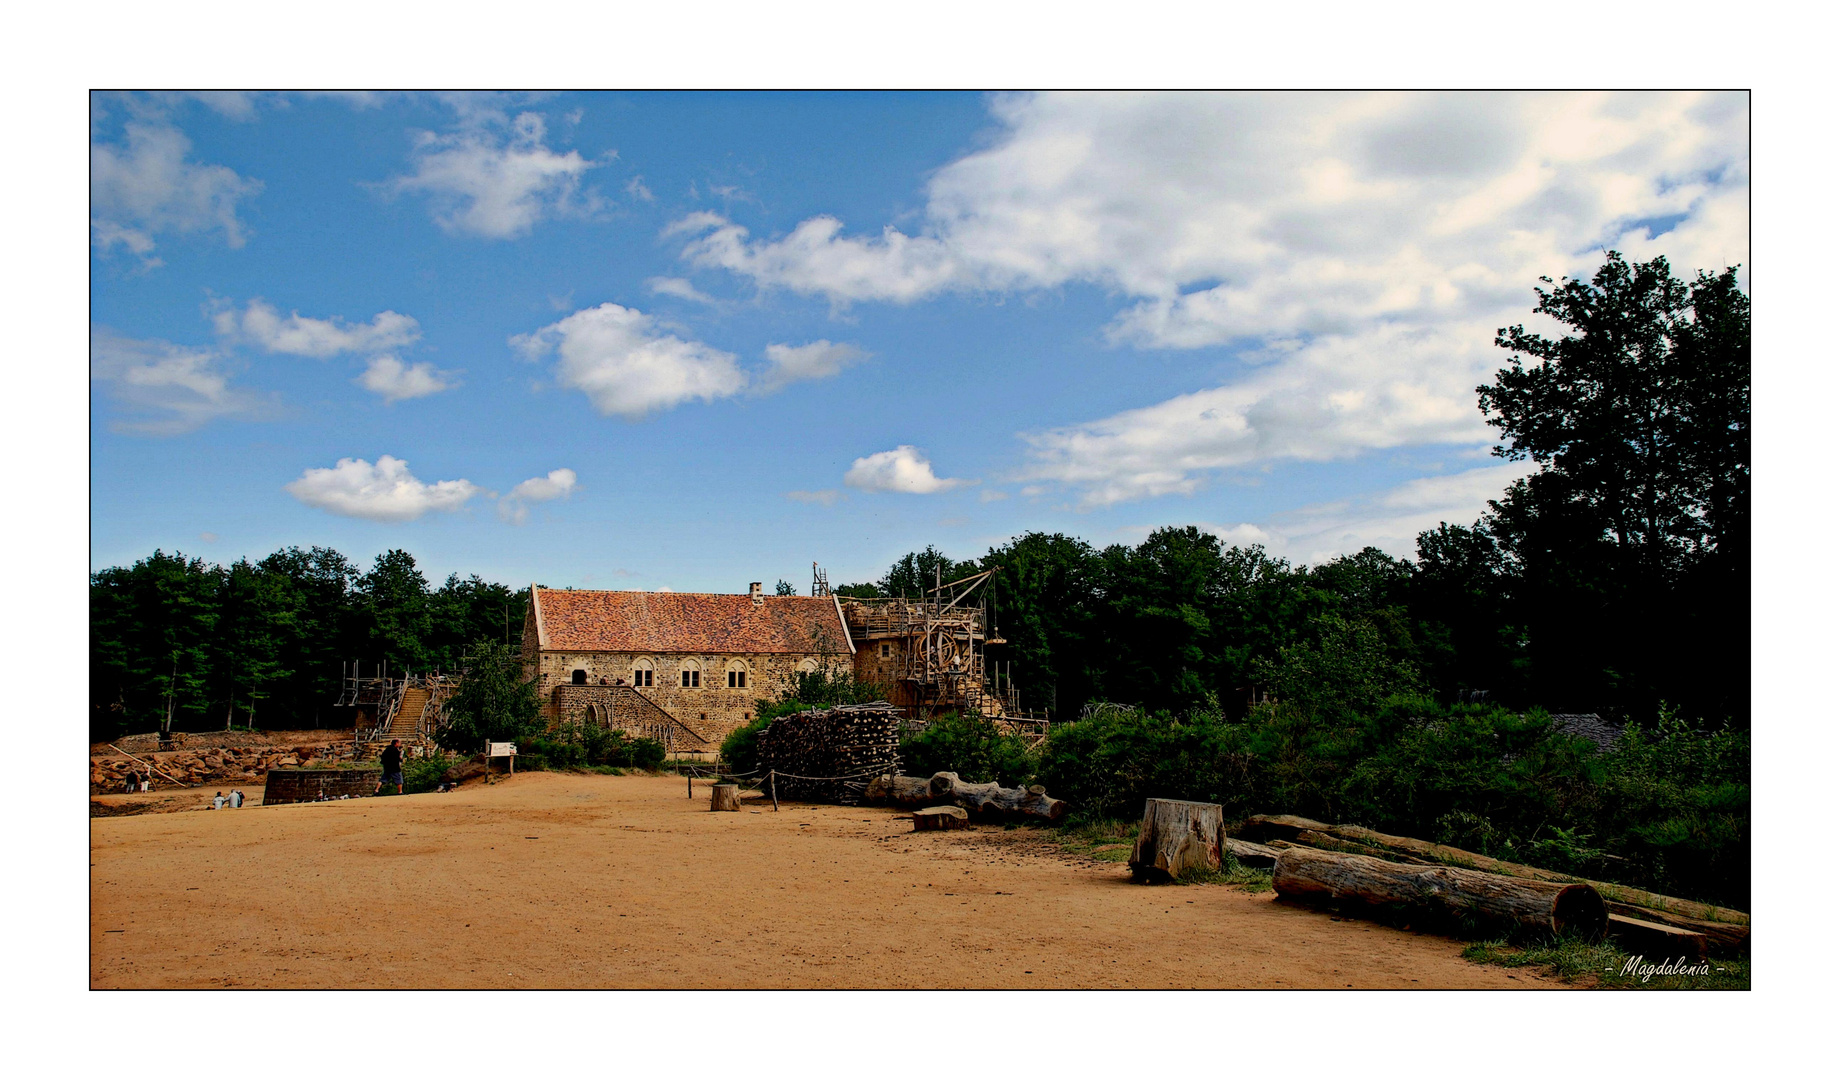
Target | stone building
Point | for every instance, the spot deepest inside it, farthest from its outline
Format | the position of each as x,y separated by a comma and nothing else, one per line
683,668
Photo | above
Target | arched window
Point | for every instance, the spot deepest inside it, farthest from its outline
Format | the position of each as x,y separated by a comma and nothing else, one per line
737,675
642,672
690,675
807,666
594,715
578,677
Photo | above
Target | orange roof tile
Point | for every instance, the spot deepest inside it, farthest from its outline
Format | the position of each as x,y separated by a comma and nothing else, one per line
579,620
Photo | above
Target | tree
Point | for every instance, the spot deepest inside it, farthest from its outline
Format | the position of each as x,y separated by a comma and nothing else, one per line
394,597
1629,546
493,703
784,588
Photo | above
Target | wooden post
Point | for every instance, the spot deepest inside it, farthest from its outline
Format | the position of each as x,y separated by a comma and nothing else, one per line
1176,835
725,797
689,792
773,789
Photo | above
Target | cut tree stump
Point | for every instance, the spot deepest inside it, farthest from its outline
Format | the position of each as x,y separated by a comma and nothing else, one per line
1176,836
1652,938
725,797
1310,875
941,818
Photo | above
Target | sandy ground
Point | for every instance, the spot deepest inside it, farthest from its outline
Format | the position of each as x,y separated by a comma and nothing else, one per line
550,880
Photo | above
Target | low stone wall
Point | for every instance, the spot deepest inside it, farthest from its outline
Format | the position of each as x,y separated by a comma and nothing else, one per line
319,785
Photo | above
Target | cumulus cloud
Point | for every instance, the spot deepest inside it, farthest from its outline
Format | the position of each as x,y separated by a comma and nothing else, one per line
396,381
628,365
143,186
165,389
495,177
261,325
1390,520
678,287
515,506
818,360
1357,251
386,491
900,470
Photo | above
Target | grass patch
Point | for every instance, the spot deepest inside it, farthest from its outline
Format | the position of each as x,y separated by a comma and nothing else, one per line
1230,873
1102,841
1603,964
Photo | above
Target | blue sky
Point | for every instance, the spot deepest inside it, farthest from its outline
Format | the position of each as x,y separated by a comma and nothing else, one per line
690,341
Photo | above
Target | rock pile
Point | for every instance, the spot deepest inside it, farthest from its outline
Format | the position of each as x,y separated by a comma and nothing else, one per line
212,765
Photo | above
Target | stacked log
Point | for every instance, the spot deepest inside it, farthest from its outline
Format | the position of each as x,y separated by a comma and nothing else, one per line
986,802
829,755
1725,931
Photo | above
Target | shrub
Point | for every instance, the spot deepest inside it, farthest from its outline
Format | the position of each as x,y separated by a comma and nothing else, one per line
971,746
424,773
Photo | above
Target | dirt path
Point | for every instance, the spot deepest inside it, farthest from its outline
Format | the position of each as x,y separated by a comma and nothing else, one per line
549,880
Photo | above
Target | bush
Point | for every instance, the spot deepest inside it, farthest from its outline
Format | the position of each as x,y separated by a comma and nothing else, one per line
424,773
971,746
577,746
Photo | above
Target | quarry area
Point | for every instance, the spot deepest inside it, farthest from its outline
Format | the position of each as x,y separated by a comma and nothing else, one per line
580,880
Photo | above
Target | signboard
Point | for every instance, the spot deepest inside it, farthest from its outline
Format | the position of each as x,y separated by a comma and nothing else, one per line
501,749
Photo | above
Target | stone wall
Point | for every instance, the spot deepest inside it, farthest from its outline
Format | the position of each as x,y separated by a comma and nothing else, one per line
711,709
626,709
317,785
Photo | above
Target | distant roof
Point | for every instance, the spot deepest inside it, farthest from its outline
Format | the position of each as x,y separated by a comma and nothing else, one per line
581,620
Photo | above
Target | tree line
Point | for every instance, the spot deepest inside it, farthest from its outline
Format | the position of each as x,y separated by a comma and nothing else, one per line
179,642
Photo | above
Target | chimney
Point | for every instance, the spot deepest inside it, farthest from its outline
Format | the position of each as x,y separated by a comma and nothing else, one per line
754,593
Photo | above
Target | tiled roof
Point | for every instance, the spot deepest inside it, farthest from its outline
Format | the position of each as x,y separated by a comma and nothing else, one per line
579,620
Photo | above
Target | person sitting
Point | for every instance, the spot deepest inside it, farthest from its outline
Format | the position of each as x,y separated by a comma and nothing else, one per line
217,803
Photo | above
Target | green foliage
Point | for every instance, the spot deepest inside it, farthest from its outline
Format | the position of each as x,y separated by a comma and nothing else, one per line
589,746
784,588
971,746
493,703
424,773
1603,964
1667,810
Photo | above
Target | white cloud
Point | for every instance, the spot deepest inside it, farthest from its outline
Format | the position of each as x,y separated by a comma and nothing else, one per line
208,537
495,177
1358,250
900,470
396,381
169,389
678,287
1390,520
515,507
297,335
826,497
990,495
818,360
637,189
144,187
385,492
628,365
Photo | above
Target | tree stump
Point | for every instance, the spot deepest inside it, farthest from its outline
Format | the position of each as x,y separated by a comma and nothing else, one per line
725,797
941,818
1176,836
1446,891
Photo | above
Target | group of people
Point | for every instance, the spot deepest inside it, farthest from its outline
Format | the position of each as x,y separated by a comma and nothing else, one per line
136,782
232,800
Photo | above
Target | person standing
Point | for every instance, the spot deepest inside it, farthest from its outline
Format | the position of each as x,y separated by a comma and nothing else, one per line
236,799
392,767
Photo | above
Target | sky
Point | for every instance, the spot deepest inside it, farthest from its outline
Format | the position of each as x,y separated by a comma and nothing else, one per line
688,341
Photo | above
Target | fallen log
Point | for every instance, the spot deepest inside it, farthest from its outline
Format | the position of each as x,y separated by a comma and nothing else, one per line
1725,939
1310,875
990,801
1256,856
941,818
1290,827
1176,836
1651,938
1325,842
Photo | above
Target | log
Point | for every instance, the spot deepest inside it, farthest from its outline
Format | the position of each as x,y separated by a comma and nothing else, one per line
1724,939
1644,937
1289,827
1256,856
1176,836
986,802
725,797
941,818
1309,875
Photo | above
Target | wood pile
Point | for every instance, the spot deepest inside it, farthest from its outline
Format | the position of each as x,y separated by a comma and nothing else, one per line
829,755
1637,918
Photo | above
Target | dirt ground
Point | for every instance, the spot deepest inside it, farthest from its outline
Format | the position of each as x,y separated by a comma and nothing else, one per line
554,880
